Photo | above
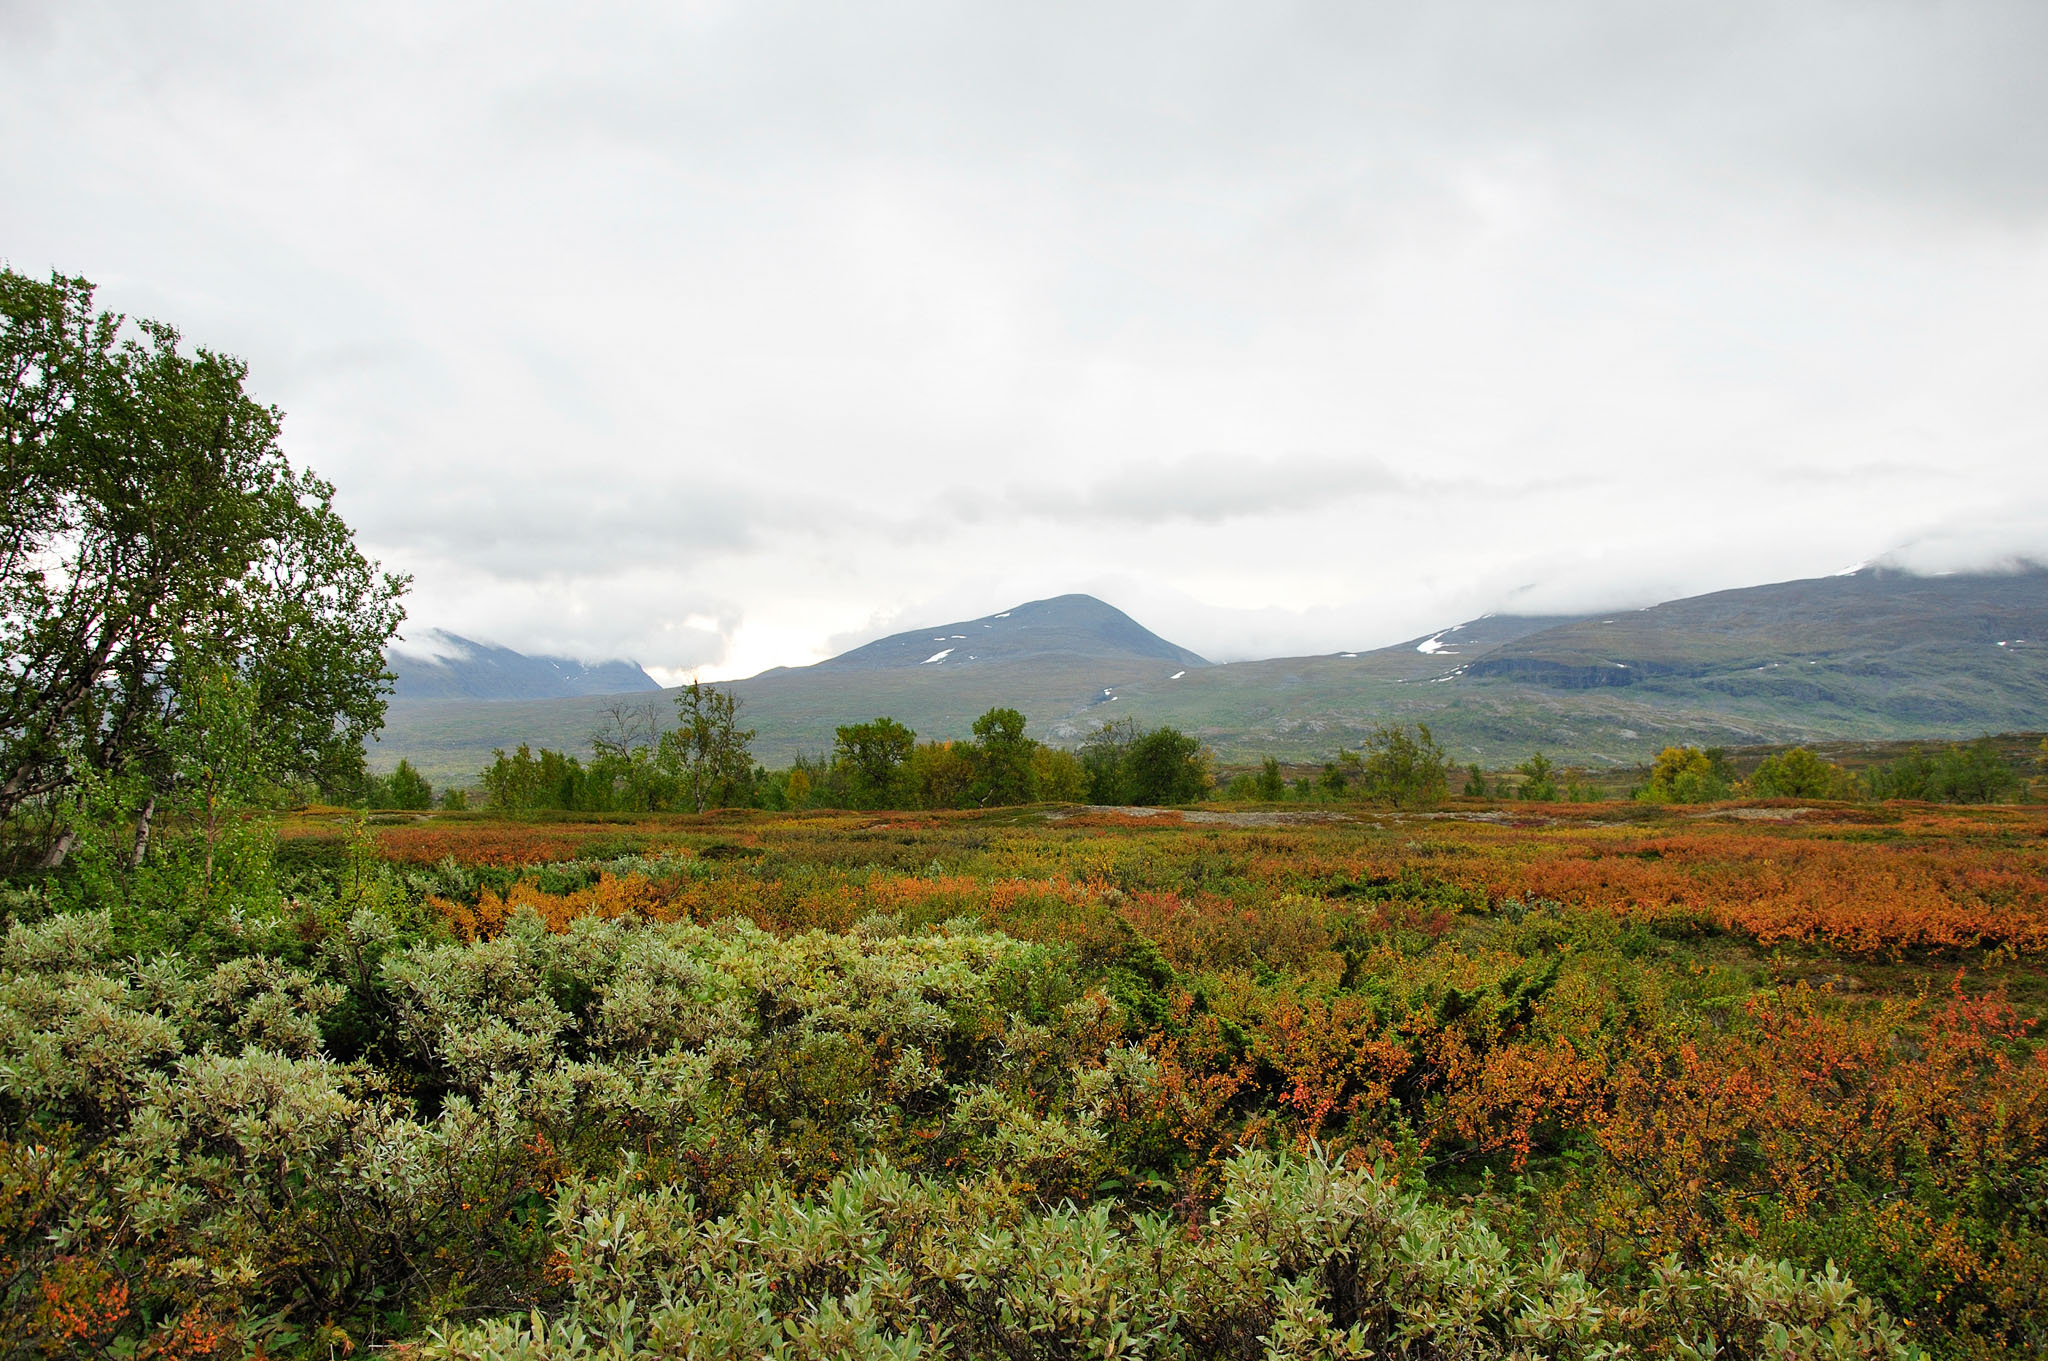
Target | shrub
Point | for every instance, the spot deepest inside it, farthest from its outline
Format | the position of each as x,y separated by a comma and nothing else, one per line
1686,775
1799,774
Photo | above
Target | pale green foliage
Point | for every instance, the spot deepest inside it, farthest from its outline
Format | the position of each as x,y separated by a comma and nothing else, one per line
1302,1258
82,1033
253,1173
202,883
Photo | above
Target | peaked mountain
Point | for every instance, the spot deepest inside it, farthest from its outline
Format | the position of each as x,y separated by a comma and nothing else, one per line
1064,629
442,666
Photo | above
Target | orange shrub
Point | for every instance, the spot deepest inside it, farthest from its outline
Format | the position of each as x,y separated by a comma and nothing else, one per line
633,895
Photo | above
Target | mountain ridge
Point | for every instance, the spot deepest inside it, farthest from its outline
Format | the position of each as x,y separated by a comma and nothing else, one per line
1870,655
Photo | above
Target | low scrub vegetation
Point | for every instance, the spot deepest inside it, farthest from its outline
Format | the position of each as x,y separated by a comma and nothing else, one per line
963,1085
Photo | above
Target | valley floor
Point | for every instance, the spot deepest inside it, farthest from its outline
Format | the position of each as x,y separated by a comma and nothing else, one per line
1227,1081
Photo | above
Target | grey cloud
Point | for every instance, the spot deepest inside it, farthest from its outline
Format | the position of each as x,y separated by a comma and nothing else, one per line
506,529
1213,489
1892,100
2000,537
1208,490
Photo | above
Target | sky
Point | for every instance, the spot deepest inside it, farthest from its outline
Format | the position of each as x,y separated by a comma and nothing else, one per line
724,336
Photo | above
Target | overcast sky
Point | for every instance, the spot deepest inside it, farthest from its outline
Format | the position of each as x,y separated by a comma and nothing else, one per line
726,336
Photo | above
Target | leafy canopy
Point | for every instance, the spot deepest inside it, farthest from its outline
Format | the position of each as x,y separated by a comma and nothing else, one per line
872,757
1129,765
152,532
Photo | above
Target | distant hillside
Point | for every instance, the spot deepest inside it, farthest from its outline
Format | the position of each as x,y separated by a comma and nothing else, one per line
1871,656
1918,649
434,665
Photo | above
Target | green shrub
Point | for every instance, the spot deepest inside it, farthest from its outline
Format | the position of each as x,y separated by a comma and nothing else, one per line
1799,774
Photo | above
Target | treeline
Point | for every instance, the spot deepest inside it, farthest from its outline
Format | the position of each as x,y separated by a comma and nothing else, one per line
1972,772
1397,766
706,762
1407,768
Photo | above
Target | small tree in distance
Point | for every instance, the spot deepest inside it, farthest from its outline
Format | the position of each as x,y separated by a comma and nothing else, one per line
1061,776
1403,770
707,751
1105,756
409,789
1002,758
1272,786
941,775
1166,766
1686,775
1126,764
872,757
1539,779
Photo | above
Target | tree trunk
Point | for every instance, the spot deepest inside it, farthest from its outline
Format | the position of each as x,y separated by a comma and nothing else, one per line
212,834
54,857
142,832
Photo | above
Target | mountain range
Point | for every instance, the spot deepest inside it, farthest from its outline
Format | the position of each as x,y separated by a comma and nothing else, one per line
1873,654
435,665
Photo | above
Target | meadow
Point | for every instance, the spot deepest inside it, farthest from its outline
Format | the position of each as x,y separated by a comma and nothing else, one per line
1754,1079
